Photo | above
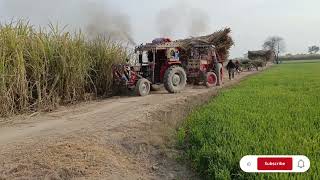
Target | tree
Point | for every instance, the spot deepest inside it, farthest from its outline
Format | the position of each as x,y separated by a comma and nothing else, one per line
275,44
313,49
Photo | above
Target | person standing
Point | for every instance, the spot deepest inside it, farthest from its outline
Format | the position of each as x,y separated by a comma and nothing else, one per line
231,69
238,70
177,54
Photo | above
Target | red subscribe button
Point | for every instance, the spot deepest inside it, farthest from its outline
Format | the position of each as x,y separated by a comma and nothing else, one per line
275,164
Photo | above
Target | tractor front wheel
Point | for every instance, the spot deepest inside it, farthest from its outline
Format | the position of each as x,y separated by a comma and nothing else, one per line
142,87
211,79
175,79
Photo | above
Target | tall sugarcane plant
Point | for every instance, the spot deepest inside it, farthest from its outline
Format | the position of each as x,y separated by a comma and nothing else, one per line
41,68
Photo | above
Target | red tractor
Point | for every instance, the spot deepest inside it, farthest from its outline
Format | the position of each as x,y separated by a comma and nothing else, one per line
205,66
168,63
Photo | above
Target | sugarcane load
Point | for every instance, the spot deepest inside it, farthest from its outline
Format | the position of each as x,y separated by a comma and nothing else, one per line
196,60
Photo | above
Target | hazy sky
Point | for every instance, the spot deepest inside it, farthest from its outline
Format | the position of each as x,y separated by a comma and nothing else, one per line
252,21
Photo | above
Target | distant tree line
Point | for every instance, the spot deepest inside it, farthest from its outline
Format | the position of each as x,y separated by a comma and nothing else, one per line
313,49
289,57
311,55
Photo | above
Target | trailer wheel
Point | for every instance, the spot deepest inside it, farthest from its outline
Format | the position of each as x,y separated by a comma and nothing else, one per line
175,79
211,79
142,87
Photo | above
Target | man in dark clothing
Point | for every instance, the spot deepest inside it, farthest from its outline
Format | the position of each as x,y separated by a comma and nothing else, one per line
231,69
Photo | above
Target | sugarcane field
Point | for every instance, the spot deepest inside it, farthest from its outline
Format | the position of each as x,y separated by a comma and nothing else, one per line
168,90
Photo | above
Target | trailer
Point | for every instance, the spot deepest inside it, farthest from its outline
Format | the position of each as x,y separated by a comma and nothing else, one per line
173,64
170,65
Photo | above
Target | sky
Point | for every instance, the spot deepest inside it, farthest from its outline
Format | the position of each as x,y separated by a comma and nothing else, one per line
251,21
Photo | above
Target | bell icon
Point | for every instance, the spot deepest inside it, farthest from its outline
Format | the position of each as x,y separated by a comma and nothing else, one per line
301,164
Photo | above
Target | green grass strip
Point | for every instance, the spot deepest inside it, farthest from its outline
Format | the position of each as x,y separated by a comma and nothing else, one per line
274,113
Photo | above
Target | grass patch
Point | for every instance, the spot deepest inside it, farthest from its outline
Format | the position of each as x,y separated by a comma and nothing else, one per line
274,113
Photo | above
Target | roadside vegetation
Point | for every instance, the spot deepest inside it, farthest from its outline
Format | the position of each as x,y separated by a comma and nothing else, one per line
41,68
273,113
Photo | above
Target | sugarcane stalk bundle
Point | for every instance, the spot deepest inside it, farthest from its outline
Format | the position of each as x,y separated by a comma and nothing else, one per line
222,41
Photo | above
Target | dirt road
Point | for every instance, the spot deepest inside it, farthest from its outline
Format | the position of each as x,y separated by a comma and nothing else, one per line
117,138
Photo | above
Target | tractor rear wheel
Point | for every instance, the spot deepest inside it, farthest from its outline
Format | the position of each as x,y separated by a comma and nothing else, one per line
175,79
211,79
142,87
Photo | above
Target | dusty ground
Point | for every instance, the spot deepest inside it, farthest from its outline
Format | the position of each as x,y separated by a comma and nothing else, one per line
117,138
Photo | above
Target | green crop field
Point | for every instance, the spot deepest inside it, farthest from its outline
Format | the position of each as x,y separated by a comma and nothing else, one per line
274,113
